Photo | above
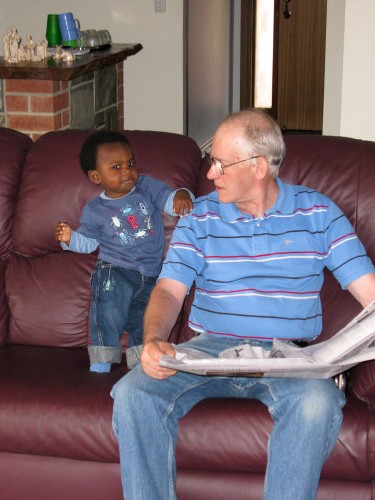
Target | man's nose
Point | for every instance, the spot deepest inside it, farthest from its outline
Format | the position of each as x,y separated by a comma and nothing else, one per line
213,173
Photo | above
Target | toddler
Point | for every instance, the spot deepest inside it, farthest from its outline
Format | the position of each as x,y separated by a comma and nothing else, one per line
125,222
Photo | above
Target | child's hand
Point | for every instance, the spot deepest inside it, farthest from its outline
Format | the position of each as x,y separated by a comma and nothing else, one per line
63,232
182,203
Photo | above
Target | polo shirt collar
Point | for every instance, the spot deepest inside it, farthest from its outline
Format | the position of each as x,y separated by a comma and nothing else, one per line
284,204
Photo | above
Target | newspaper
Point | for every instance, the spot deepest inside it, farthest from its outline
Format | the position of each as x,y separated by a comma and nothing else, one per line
352,345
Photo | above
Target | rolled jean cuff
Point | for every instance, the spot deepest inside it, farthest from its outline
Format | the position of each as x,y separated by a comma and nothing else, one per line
102,354
133,356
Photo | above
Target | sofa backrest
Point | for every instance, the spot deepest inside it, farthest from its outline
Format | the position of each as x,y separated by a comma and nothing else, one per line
343,169
13,149
48,289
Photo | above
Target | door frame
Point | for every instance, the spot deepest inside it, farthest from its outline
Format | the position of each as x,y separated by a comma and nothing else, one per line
248,20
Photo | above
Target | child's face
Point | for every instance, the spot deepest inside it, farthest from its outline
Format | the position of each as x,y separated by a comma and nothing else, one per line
114,170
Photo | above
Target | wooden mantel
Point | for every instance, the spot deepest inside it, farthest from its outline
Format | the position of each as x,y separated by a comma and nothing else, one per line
38,97
63,71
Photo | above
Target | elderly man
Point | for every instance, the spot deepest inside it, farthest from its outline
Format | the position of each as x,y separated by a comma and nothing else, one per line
256,249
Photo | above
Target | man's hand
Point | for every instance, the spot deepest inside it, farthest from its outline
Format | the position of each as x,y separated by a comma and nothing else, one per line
63,232
151,354
161,314
182,203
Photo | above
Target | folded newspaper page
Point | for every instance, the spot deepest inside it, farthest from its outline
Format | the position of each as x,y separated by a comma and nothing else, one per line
350,346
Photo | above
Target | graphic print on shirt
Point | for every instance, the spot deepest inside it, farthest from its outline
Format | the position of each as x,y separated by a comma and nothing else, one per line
132,223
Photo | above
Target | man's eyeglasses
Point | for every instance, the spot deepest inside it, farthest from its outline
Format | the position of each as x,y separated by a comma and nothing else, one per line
219,167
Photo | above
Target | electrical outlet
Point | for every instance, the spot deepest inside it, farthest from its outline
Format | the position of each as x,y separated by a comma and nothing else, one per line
160,5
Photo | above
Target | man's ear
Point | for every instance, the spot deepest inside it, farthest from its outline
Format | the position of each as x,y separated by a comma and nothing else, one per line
261,167
93,176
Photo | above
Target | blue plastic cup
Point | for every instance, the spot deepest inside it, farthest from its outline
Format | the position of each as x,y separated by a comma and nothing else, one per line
69,27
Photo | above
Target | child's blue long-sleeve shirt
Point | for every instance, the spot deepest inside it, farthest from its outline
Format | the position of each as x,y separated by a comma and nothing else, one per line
129,231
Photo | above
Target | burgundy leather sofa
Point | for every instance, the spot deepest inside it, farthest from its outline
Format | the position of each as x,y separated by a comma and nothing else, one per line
56,439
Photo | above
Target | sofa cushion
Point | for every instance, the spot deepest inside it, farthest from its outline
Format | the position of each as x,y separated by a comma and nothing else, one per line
3,305
230,435
55,188
362,382
13,149
49,289
54,406
49,297
341,168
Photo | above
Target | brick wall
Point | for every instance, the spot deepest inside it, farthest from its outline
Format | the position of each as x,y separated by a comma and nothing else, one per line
93,100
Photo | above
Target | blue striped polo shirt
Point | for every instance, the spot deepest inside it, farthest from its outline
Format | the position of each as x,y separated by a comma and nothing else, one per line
261,277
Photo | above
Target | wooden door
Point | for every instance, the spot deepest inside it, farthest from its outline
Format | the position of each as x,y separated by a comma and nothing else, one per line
299,58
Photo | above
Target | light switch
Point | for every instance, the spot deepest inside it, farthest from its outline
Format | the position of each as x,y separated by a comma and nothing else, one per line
160,5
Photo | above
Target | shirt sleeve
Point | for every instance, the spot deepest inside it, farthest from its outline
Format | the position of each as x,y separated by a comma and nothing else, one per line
168,208
184,260
345,254
80,243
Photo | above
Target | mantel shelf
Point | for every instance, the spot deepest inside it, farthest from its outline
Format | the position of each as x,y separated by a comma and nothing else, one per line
64,71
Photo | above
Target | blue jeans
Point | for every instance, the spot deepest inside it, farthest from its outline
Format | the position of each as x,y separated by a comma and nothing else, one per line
306,412
119,299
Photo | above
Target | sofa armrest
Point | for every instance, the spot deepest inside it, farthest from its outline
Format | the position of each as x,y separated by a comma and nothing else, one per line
362,382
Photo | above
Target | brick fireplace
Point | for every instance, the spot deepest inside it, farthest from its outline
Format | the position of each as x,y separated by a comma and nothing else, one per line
39,97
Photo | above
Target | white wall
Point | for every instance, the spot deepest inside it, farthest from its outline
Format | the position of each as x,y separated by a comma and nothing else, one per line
333,67
208,66
349,102
154,78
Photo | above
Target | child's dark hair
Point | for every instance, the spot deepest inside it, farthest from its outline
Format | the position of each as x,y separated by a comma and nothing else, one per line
87,156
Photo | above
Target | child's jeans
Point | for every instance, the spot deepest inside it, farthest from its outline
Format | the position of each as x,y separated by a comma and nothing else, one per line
119,299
